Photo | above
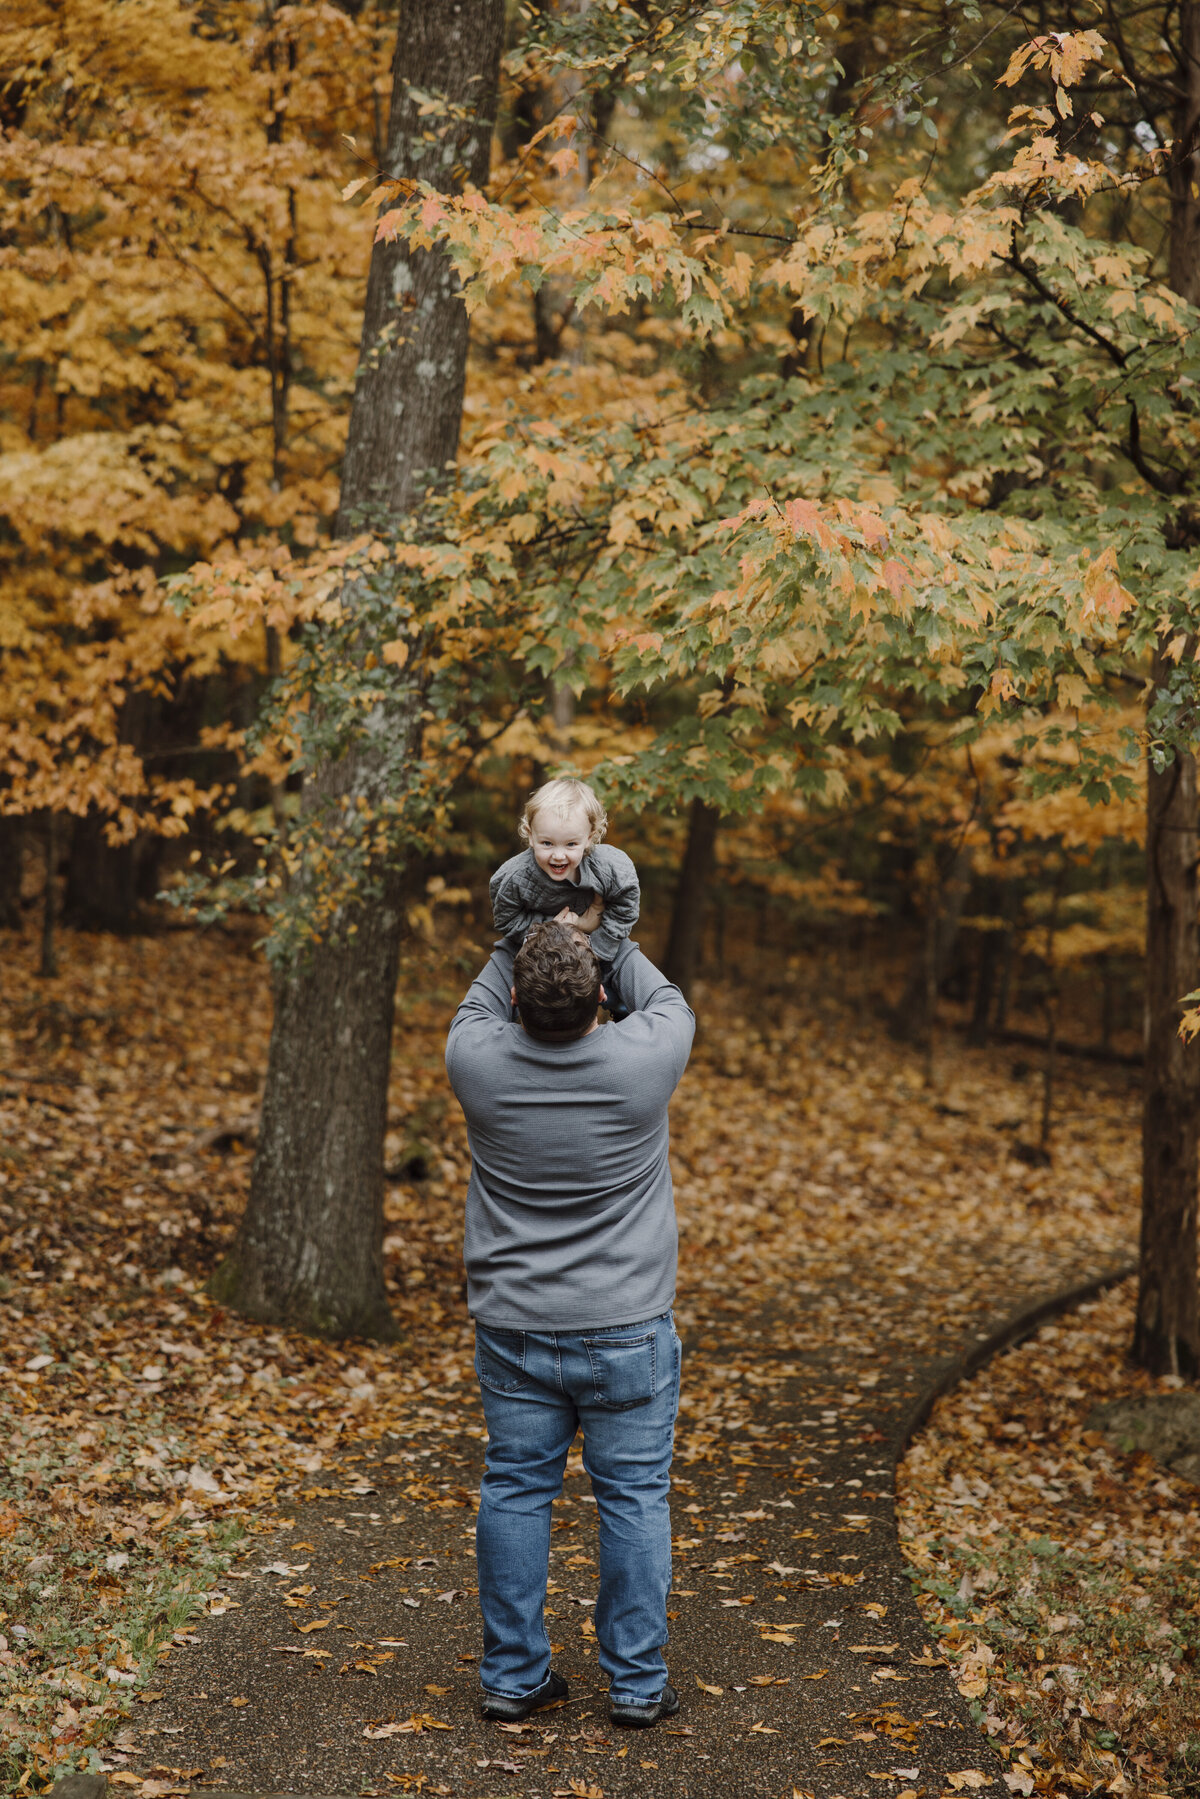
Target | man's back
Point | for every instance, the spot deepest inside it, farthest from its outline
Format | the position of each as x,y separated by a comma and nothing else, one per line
570,1214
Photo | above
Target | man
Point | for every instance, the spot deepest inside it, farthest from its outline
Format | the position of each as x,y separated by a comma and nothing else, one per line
570,1250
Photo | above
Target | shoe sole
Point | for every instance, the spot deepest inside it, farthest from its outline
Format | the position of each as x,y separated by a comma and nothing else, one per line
630,1721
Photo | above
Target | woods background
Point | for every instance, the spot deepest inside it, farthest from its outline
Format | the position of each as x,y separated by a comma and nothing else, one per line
810,464
785,417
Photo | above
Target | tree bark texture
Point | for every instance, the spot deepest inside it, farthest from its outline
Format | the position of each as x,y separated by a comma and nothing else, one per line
691,896
1167,1333
309,1252
413,360
1183,170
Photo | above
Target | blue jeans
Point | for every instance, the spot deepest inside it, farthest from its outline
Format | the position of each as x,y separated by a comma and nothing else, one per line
621,1384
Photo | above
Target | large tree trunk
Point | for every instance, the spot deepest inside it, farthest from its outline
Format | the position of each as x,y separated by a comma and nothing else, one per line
691,896
1167,1335
309,1249
408,398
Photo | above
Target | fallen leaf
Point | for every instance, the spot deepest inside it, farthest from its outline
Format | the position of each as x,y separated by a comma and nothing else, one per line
410,1727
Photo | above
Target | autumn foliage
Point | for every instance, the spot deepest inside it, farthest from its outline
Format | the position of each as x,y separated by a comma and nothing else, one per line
823,489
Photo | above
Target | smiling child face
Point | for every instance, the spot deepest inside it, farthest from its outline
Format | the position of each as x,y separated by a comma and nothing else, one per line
559,842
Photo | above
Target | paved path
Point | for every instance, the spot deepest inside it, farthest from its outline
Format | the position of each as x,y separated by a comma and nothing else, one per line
790,1597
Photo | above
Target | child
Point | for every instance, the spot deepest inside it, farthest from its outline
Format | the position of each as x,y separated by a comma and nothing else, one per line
566,866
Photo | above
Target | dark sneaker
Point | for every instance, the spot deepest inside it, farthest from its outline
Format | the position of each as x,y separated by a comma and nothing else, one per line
510,1711
641,1717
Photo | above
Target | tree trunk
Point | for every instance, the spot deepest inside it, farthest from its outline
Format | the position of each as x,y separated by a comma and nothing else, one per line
914,1018
107,884
412,370
12,837
1167,1334
987,968
309,1250
691,896
49,963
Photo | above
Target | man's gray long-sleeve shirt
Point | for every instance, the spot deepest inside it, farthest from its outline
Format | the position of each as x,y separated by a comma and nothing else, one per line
523,895
570,1218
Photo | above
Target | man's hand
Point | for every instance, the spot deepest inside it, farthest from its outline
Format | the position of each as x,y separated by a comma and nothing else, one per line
584,921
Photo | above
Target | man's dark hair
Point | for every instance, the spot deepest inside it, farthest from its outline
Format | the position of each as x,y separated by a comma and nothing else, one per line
557,979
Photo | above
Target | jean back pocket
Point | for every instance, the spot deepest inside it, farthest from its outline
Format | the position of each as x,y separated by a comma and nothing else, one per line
500,1359
623,1369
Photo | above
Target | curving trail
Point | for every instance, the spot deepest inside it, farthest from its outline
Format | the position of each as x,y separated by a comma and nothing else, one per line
801,1657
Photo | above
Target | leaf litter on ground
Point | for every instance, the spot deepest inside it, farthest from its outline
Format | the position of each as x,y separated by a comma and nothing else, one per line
1060,1573
151,1433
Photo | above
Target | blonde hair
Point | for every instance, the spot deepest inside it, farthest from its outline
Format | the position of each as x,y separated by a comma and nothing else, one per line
561,797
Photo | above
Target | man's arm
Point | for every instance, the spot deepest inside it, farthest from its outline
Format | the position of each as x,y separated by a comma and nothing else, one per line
488,998
645,990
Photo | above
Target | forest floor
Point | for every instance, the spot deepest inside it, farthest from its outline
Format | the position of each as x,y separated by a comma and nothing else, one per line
843,1228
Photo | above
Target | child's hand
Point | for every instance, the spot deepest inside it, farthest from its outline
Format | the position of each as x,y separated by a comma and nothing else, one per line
583,921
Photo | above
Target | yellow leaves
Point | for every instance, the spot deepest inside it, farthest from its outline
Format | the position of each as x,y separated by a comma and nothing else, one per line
1163,308
1072,690
412,1726
395,652
1103,594
716,1692
1113,269
807,520
1065,53
894,574
1189,1024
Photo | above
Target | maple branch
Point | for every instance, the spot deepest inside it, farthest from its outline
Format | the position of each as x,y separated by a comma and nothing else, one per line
1030,274
1162,484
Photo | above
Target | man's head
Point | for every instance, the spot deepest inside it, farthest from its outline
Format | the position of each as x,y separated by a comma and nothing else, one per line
556,982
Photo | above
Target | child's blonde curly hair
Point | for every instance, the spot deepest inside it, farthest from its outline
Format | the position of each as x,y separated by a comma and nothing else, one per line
561,797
